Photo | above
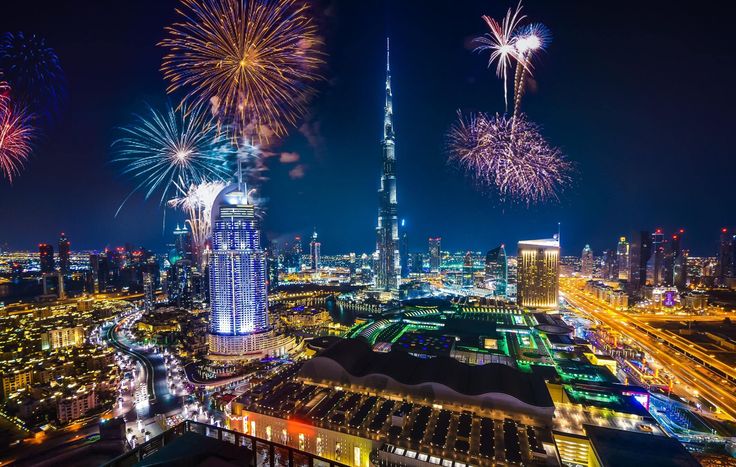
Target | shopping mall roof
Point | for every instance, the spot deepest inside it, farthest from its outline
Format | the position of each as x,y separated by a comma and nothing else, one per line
352,362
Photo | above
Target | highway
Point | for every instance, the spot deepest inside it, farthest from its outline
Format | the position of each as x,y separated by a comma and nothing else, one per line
709,385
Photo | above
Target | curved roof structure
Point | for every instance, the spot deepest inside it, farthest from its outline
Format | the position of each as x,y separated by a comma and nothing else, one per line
441,379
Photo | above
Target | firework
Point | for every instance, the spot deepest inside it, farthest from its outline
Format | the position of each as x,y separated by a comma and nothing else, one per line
254,61
509,155
197,203
33,71
168,151
528,40
501,43
15,135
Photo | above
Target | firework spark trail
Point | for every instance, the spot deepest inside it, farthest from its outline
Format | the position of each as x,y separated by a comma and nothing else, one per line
170,150
500,41
254,60
528,41
509,155
197,203
16,134
33,71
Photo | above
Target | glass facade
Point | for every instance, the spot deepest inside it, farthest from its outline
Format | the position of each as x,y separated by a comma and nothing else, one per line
239,301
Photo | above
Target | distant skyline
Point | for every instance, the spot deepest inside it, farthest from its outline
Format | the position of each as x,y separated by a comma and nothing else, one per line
629,97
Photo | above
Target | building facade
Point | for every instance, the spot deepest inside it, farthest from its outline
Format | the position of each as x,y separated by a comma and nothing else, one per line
497,271
725,258
315,252
46,257
538,273
64,252
63,337
640,252
622,254
387,232
586,262
237,270
435,258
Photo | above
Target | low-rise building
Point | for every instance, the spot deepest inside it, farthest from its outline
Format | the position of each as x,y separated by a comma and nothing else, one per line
75,406
63,337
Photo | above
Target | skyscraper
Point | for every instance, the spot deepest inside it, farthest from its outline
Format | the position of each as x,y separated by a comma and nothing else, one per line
182,242
64,247
623,256
640,250
497,271
404,250
655,265
434,254
46,257
586,262
679,261
417,263
148,291
315,248
725,258
609,269
237,274
467,280
387,231
538,273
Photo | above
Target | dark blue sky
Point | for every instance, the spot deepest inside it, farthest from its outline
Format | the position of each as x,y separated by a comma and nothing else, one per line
638,94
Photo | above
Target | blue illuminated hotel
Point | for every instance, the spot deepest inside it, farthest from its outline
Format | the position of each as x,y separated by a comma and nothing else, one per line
239,325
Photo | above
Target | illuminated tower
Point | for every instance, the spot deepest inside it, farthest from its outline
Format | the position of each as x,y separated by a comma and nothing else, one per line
586,262
435,259
237,275
538,273
315,248
467,279
497,271
387,231
622,256
64,247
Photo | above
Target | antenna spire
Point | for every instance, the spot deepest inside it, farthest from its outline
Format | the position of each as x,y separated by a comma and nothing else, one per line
388,67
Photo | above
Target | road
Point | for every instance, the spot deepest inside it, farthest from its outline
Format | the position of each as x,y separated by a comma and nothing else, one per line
161,401
710,386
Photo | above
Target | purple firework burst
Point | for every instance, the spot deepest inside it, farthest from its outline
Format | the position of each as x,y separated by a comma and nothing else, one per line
509,155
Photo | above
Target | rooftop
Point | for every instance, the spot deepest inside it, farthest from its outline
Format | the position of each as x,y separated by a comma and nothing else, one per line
618,447
352,361
545,242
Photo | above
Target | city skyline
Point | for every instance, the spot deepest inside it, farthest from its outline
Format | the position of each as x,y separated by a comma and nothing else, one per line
357,234
73,158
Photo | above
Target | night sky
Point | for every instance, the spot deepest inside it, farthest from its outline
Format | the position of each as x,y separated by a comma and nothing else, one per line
638,94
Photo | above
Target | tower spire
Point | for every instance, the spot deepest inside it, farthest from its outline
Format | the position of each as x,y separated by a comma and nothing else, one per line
388,124
388,67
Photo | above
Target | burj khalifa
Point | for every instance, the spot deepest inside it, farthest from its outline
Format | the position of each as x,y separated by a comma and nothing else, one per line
387,232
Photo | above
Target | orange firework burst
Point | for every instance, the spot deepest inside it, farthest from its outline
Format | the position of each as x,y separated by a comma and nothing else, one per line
15,135
254,61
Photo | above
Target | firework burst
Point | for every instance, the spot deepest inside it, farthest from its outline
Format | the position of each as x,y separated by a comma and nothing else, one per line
33,71
501,43
254,61
15,135
168,151
528,41
197,203
509,155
